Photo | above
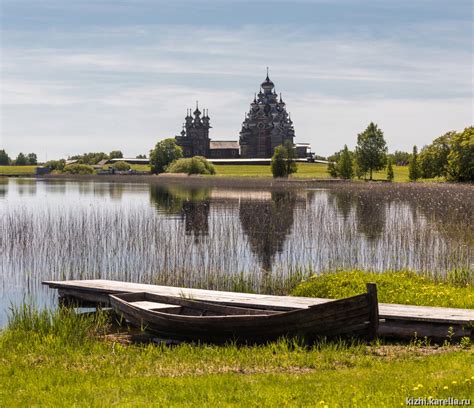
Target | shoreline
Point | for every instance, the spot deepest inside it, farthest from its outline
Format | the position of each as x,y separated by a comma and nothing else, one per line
197,180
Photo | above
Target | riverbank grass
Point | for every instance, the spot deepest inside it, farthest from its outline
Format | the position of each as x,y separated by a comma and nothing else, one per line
58,358
62,359
402,287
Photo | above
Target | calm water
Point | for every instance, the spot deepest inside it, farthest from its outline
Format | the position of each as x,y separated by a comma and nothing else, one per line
237,239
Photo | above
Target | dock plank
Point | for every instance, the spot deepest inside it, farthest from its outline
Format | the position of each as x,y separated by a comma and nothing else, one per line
398,312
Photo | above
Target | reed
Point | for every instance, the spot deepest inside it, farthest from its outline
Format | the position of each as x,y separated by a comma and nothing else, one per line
248,240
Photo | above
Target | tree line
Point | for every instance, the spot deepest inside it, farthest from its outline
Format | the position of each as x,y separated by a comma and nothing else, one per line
21,160
450,156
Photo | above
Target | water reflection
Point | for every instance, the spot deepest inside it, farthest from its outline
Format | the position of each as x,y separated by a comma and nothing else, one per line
3,186
26,186
212,237
267,224
191,205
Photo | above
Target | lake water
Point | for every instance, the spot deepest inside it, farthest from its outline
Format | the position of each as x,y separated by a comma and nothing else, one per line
222,238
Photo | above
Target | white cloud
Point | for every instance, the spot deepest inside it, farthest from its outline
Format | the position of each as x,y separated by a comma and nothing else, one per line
125,88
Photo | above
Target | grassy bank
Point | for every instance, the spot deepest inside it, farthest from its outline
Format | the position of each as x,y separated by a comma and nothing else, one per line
17,170
62,359
456,290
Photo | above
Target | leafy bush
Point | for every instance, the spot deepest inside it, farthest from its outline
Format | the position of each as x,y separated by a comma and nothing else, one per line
121,166
393,287
193,165
56,164
78,169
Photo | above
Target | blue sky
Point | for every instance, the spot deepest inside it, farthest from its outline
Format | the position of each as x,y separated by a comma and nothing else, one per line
82,76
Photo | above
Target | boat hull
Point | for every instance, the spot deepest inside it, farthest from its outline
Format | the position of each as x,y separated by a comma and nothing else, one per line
216,323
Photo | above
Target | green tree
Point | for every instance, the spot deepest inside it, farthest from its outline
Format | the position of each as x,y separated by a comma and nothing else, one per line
333,160
4,158
390,175
278,162
413,166
115,154
290,161
90,158
400,158
371,150
141,156
461,157
21,160
164,153
284,160
345,164
32,159
433,159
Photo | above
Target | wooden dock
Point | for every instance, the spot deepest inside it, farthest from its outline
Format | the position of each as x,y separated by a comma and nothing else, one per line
397,321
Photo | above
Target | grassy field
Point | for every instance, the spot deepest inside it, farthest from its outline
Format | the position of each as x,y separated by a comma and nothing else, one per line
59,358
62,359
20,170
305,170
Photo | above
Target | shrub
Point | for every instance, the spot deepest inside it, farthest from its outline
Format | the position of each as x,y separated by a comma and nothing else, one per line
121,166
56,164
78,169
193,165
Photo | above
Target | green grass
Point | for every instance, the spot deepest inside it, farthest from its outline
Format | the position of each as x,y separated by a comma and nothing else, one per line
305,170
394,287
20,170
62,359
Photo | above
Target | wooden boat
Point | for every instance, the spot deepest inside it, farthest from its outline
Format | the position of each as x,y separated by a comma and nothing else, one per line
192,320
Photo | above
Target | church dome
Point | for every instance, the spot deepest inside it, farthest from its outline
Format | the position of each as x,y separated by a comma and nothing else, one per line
267,85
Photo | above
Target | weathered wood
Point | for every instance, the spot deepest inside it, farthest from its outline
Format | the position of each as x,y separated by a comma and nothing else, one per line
429,321
213,322
411,329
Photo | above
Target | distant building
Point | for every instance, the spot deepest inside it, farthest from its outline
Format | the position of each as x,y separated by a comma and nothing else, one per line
194,139
267,124
224,149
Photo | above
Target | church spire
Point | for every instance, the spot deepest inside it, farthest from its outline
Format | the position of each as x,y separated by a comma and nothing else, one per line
197,112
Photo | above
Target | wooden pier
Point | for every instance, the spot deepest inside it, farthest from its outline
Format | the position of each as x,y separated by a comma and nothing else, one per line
396,321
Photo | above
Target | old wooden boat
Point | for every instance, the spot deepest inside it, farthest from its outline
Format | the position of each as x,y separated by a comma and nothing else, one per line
187,319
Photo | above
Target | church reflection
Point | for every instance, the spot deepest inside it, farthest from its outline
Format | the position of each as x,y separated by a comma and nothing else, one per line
267,224
266,217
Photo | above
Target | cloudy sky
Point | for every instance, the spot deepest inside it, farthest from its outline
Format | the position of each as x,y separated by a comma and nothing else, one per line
98,75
